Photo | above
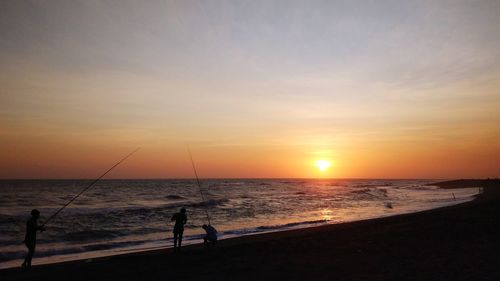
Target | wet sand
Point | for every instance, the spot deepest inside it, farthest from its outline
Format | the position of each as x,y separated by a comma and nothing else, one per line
454,243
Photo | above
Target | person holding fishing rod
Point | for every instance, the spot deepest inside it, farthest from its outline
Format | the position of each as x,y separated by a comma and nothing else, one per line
30,238
32,225
180,220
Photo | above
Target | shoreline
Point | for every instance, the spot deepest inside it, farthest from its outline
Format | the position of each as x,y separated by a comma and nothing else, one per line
461,237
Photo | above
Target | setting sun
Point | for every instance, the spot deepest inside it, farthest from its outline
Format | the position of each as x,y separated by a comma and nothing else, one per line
323,164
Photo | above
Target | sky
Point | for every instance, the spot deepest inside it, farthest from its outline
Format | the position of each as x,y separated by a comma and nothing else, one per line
257,89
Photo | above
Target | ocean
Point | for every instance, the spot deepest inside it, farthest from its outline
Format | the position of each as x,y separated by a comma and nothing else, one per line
119,216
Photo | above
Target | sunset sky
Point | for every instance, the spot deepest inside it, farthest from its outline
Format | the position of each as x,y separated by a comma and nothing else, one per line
379,89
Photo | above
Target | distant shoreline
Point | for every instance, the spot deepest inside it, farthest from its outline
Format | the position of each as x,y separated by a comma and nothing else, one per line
465,183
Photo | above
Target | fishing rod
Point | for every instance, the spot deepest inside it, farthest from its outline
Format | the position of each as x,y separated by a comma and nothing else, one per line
89,186
199,185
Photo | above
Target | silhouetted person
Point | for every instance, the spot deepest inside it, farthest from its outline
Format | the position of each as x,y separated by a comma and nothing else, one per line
30,239
180,220
211,237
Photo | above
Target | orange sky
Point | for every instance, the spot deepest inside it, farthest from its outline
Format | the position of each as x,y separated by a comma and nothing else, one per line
405,90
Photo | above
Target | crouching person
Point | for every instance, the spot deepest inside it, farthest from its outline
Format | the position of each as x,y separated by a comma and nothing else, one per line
211,237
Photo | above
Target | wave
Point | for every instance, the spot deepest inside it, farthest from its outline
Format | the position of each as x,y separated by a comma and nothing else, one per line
293,182
175,197
86,235
9,219
119,211
382,191
361,191
293,224
421,187
264,228
11,255
209,203
375,184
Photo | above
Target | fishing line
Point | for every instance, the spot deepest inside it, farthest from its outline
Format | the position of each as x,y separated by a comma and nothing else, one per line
199,185
89,186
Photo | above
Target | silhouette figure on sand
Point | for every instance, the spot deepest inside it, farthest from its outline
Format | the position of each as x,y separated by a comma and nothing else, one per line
30,239
211,237
180,220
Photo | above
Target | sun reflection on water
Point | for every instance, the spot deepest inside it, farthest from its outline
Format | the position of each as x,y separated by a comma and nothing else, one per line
326,214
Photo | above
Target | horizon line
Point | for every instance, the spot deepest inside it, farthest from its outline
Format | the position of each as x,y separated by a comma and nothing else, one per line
248,178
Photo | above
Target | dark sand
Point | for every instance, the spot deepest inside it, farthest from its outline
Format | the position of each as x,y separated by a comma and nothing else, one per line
454,243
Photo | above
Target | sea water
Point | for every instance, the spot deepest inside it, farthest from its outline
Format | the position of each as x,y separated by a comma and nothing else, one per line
118,216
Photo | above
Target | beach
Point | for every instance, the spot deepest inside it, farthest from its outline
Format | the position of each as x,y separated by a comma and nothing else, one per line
460,242
124,216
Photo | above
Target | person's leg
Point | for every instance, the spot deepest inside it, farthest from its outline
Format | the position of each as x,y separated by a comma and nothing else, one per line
29,257
25,262
180,238
175,240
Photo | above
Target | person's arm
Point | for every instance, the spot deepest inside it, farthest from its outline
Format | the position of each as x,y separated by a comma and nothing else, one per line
212,229
173,217
41,228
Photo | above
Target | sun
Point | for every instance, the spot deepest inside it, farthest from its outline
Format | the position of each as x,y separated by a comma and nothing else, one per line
323,165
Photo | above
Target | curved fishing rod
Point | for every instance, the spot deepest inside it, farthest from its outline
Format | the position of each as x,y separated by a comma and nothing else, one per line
89,186
199,185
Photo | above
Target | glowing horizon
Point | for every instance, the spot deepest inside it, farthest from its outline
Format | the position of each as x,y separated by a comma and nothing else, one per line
257,89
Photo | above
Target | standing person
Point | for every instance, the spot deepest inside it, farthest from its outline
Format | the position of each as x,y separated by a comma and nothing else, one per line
30,239
211,237
180,220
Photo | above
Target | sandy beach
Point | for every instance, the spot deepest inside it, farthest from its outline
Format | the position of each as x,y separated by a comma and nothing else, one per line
454,243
